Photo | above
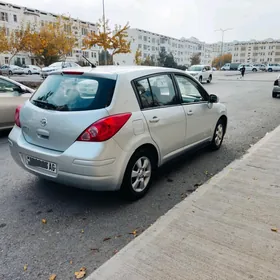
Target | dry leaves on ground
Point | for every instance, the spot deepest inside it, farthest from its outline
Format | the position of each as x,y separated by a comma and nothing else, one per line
81,274
44,221
134,233
274,229
52,277
25,267
106,239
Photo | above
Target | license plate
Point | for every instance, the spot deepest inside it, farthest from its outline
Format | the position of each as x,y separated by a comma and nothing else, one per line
35,162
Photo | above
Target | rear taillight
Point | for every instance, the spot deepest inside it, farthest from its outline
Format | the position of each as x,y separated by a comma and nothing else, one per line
104,129
17,112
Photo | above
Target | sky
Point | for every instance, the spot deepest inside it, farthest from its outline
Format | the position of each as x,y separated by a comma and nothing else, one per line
248,19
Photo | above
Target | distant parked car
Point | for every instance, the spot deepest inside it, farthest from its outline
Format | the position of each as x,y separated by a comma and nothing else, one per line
203,73
230,66
214,69
261,67
11,70
271,67
57,66
31,69
12,94
276,88
248,67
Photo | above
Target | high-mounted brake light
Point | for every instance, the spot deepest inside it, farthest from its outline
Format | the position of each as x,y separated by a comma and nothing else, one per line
72,72
105,128
17,113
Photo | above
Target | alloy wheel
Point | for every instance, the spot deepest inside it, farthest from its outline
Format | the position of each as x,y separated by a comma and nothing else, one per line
219,134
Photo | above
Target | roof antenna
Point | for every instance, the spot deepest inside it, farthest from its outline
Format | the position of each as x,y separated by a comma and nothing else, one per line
91,64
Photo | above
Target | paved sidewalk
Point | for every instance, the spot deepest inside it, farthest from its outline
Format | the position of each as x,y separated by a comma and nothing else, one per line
224,230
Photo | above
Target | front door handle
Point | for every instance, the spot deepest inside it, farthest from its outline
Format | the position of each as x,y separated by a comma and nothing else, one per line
154,120
190,112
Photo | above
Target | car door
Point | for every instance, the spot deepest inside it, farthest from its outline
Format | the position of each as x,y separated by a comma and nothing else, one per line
10,98
204,73
164,115
201,117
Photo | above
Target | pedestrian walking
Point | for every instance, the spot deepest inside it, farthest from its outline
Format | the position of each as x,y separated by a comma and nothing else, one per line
242,71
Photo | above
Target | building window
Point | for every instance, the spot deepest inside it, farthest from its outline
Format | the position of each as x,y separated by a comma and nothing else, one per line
23,61
85,54
84,31
15,18
145,47
153,40
3,16
140,37
94,55
6,60
145,38
139,46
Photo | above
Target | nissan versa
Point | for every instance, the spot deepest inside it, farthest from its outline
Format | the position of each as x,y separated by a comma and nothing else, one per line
109,128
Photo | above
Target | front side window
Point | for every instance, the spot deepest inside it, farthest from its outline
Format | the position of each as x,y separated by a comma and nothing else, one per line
196,68
74,93
156,91
8,87
189,90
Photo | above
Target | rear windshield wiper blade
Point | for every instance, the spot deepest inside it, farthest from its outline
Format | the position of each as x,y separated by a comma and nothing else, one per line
45,104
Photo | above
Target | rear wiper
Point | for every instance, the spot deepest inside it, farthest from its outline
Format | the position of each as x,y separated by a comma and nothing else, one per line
45,104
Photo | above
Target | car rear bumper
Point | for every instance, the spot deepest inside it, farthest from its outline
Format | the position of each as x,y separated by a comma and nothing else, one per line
73,169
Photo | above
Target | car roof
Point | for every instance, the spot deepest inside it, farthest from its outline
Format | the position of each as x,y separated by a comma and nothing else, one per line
130,71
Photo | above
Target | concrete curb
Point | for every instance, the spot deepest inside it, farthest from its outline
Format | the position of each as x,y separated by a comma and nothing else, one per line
160,225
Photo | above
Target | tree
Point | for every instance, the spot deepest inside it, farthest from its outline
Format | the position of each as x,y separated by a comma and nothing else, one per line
169,61
137,57
53,41
161,57
19,40
221,60
115,40
195,59
149,61
4,44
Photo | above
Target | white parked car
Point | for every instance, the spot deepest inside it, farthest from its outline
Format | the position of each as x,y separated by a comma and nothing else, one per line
203,73
111,127
11,70
31,69
249,67
271,67
261,67
57,66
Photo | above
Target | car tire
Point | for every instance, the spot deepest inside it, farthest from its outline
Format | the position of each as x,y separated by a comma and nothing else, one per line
269,70
29,72
200,79
254,70
209,79
218,136
10,73
274,94
141,164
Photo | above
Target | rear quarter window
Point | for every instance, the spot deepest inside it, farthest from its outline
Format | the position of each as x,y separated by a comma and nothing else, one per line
74,93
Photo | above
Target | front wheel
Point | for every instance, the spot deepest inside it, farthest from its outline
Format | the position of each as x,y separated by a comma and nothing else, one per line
218,136
200,79
10,73
138,175
254,70
29,72
269,70
209,79
274,94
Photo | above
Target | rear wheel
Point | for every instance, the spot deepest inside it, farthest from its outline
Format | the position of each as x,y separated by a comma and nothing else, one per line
269,70
29,72
200,79
254,70
218,136
10,73
274,94
138,175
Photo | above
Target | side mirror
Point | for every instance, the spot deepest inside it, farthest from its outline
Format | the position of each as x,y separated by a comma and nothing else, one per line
204,70
213,98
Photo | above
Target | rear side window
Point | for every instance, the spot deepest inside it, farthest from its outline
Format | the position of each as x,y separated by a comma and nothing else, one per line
74,93
156,91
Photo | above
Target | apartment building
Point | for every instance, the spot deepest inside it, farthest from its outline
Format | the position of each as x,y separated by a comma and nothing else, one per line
266,51
11,16
218,48
150,44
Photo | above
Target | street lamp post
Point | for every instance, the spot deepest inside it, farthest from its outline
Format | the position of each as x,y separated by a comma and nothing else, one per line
222,44
104,30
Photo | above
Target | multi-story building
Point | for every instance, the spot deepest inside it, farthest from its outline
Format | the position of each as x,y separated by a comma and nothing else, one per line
150,44
219,48
11,16
266,51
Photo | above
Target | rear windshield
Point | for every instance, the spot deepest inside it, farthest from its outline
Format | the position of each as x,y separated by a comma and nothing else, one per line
74,93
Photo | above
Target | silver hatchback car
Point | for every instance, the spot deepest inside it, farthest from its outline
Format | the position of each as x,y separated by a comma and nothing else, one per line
109,128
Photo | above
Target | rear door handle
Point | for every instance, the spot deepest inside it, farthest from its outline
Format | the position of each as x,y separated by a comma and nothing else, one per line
154,120
190,112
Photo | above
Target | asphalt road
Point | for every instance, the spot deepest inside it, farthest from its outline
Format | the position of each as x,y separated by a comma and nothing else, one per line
86,228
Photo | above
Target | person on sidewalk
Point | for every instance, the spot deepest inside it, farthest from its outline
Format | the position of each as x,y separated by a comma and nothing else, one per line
242,71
